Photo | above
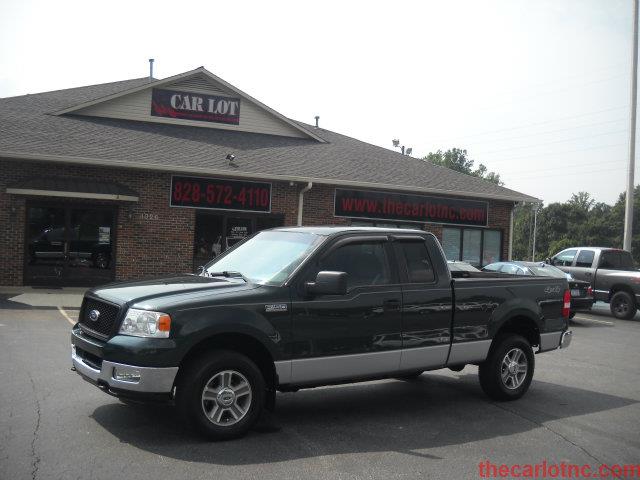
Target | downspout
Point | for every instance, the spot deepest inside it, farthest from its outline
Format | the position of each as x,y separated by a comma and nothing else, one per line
301,201
510,253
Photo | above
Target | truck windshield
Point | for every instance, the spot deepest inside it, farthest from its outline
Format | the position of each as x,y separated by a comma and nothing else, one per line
267,258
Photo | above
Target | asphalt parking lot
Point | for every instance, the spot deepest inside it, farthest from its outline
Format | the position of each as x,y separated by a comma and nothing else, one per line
583,407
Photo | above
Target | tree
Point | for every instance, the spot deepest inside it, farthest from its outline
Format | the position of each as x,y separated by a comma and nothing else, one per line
457,159
580,221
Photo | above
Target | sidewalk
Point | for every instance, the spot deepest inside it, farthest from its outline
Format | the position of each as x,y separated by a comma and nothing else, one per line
67,297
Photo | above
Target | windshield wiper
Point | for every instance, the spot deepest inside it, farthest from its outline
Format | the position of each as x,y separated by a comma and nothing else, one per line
227,274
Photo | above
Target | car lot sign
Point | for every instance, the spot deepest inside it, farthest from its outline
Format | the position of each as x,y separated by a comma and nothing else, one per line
195,106
220,194
411,208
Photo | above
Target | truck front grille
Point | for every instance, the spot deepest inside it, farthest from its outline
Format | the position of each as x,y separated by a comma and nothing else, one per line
98,318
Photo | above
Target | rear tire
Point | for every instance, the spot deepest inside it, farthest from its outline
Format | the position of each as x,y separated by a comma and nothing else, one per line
623,305
221,395
508,370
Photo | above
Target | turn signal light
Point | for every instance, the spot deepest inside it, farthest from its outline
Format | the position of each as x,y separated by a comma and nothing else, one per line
164,323
590,292
566,304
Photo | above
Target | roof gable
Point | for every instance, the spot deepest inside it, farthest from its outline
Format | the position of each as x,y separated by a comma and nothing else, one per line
196,98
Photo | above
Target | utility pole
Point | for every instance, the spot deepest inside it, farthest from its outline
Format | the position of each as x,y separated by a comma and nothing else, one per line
535,228
628,211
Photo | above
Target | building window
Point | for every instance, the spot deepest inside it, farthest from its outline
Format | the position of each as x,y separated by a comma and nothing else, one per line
476,246
451,241
491,246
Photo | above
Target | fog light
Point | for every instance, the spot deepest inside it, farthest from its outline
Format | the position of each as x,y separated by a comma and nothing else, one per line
130,375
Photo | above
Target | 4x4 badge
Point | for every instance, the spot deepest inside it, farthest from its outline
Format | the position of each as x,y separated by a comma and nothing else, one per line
276,307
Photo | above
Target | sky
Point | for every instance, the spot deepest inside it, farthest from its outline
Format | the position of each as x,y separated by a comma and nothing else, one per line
536,90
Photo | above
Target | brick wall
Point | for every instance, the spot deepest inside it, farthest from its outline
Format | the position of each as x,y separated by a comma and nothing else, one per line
153,238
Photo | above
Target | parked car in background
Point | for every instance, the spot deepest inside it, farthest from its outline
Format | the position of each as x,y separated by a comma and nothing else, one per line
460,269
611,273
582,298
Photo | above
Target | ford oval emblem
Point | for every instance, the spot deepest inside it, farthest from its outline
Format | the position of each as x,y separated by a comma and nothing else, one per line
93,315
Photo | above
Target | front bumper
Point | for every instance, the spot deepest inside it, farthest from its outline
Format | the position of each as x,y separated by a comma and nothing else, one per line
142,380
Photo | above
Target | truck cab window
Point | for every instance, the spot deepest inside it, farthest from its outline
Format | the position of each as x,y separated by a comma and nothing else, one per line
565,259
365,263
585,258
419,267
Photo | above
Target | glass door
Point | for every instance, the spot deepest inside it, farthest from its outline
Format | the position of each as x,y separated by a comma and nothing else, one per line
90,259
46,245
69,245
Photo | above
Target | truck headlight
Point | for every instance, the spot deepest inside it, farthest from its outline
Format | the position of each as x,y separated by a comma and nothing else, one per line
145,323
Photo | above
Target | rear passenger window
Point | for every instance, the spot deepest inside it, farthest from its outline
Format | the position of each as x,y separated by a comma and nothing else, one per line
565,259
365,263
585,258
419,267
616,260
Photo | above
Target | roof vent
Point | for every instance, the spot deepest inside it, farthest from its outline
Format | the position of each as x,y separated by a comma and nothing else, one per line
317,119
151,69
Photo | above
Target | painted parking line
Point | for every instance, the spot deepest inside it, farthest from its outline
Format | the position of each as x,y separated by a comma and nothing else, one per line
585,319
66,315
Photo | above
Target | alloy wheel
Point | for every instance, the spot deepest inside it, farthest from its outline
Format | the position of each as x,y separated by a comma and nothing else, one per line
226,398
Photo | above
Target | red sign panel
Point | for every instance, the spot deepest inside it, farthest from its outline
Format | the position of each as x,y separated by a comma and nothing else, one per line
221,194
411,208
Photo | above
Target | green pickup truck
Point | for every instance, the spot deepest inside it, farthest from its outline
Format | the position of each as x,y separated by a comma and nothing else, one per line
301,307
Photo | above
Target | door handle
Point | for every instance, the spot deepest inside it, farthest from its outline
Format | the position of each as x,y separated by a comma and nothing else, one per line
587,274
391,304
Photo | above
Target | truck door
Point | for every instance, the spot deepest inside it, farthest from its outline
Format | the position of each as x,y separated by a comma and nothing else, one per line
354,335
426,305
584,268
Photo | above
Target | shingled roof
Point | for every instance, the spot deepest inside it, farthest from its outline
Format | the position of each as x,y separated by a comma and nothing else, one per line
30,130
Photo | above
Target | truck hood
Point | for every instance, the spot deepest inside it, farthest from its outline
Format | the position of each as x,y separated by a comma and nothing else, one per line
147,290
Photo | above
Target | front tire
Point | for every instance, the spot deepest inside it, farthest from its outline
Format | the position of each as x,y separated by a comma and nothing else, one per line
623,306
508,370
221,395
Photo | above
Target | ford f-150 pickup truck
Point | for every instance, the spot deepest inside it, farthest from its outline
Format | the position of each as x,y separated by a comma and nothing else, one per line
300,307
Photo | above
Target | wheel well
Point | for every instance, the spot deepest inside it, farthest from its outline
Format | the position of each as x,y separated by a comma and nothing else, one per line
237,342
620,287
522,326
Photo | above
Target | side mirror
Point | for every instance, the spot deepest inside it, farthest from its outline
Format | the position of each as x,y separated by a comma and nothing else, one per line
328,283
548,261
199,269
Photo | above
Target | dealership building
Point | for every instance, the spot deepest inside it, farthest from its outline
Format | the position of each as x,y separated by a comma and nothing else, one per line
148,177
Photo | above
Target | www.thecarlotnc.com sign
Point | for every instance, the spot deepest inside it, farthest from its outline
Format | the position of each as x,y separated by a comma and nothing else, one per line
195,106
412,208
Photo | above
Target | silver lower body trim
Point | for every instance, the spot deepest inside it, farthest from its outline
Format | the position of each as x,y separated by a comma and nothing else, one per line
151,379
283,371
342,367
424,357
469,352
549,341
